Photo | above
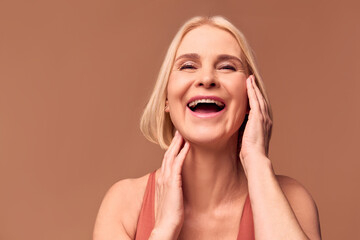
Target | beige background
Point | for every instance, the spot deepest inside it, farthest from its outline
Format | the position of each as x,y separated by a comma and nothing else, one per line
75,76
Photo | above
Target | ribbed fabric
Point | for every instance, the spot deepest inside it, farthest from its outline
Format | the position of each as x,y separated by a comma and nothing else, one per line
146,220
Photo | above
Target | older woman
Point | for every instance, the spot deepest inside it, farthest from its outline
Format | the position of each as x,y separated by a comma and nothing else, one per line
210,111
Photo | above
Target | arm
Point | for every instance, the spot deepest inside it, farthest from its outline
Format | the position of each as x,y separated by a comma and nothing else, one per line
303,206
282,208
276,215
116,204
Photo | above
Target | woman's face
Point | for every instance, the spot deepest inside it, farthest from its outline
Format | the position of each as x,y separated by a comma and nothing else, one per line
206,92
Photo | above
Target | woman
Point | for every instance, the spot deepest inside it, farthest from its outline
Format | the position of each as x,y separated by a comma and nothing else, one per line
210,111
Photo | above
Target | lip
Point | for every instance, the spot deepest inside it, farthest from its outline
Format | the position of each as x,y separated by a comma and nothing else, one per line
206,97
206,115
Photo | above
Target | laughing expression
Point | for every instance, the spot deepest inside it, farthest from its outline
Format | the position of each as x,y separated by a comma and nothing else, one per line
206,91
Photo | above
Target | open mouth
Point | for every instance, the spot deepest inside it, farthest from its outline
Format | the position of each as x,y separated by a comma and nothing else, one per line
206,105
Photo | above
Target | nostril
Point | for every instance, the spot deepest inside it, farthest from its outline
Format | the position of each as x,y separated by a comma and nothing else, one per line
207,83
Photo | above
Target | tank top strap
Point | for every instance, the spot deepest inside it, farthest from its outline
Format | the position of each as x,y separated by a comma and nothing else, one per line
246,229
146,219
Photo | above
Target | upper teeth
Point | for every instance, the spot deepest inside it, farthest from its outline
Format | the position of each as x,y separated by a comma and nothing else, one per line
194,103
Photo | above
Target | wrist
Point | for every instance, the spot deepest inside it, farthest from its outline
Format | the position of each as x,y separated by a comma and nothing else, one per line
257,163
163,234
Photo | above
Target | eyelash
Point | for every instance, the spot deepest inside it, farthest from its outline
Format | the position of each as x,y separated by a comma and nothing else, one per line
229,67
187,66
190,66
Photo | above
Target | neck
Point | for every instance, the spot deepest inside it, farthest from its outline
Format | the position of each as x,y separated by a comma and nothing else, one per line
212,176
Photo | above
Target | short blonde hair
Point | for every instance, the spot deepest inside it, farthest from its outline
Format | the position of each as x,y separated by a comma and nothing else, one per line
155,123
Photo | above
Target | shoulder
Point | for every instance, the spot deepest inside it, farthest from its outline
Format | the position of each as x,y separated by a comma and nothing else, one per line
303,205
295,192
120,209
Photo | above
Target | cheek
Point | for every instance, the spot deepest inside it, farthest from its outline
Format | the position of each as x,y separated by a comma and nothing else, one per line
175,95
237,90
176,89
173,92
176,112
239,100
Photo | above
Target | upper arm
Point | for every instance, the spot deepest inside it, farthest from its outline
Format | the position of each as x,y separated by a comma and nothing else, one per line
114,208
303,205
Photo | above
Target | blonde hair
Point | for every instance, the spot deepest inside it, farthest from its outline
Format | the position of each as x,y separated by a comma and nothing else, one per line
155,123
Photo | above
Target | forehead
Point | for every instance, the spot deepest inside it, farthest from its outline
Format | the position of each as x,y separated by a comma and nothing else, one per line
207,40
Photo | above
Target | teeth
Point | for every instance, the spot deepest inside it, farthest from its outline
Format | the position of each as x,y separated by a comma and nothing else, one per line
194,103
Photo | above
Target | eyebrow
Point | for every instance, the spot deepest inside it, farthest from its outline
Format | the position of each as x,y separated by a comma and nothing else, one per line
188,55
221,57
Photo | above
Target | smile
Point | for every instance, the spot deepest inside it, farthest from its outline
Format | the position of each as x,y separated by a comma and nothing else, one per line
206,106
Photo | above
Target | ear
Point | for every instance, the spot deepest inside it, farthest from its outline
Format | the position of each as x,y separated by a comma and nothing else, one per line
166,106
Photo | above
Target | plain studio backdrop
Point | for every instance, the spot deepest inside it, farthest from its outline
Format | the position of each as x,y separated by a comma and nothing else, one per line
76,75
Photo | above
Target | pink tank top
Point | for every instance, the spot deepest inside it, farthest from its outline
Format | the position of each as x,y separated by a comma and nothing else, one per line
146,220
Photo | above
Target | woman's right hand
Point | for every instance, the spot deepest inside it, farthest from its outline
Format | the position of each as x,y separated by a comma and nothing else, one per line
169,215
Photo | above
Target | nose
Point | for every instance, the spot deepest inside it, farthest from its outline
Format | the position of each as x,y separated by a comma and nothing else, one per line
207,78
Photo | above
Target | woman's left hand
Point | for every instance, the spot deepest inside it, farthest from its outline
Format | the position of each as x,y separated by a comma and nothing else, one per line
256,137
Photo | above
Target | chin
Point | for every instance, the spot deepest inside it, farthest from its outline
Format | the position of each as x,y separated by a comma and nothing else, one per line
205,136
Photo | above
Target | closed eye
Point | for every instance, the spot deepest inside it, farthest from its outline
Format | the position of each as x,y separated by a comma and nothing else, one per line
187,66
228,67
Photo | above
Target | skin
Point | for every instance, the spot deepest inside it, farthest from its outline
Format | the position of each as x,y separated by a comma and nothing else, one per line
203,182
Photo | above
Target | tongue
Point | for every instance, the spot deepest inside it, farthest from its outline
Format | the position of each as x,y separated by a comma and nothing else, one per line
206,108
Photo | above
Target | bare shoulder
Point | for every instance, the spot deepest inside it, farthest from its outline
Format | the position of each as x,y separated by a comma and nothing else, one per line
120,209
303,205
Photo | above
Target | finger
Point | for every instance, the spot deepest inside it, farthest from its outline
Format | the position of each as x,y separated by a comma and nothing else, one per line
180,158
173,152
176,146
264,106
253,101
260,98
165,161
